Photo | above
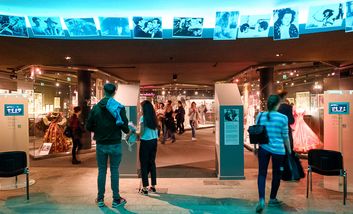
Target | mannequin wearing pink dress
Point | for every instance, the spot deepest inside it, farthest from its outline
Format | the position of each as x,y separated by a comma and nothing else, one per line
304,139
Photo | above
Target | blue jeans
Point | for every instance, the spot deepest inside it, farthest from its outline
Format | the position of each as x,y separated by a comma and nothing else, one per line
113,152
277,168
193,128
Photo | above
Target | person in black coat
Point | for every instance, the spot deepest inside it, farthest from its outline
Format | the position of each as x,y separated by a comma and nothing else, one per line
180,117
293,169
286,109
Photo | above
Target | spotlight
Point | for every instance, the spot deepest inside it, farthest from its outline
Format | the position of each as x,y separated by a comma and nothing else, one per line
67,57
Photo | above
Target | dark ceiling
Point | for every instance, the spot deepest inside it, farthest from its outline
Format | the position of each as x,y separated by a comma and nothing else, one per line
201,61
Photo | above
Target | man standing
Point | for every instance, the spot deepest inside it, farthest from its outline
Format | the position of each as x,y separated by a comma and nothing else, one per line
108,138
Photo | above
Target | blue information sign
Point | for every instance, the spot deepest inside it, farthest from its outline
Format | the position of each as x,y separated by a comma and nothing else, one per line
338,108
14,110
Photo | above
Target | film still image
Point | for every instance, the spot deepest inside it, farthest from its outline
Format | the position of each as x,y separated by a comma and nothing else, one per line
254,26
349,17
226,25
231,115
187,27
115,26
286,24
13,26
46,26
81,26
325,16
147,27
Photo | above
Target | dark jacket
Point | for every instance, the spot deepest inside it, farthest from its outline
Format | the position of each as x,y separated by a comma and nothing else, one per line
102,123
76,127
287,110
180,114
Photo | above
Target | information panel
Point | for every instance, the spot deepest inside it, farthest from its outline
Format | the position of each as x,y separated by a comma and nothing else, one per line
338,108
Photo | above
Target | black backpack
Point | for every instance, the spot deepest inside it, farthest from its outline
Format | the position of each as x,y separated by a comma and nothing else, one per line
258,133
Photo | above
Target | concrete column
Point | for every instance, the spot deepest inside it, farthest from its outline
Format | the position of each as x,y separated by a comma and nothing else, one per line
266,85
84,101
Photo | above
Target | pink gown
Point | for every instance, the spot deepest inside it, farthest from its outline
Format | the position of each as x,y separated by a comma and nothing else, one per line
304,139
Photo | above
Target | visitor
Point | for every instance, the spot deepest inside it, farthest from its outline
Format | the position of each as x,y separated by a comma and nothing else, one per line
77,129
108,138
180,117
161,119
194,117
169,123
277,129
148,146
287,110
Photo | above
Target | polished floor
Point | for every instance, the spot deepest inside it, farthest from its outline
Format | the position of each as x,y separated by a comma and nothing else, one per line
63,188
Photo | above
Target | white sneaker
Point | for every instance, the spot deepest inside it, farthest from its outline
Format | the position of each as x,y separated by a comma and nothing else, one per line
193,139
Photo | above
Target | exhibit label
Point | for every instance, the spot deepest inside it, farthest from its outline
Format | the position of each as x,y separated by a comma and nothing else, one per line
14,110
338,108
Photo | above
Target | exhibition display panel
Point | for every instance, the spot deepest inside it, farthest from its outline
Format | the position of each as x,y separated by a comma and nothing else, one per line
338,134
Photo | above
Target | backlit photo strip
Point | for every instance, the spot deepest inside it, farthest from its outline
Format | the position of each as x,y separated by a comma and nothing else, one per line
187,27
115,26
81,26
226,25
13,26
254,26
286,24
147,27
349,16
46,26
325,16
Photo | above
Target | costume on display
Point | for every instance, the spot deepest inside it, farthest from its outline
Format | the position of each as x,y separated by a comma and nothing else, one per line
55,133
304,139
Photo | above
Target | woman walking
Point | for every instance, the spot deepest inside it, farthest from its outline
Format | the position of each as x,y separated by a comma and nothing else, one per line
194,117
148,146
277,129
180,117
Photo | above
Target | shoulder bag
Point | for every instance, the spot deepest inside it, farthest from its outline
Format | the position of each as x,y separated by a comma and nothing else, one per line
258,133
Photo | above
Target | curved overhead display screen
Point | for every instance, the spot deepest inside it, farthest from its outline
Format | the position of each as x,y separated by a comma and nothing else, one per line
139,19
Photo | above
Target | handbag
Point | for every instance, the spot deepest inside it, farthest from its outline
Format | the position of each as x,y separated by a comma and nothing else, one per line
293,169
258,133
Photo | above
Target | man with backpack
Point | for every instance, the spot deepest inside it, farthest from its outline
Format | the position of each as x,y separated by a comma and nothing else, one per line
107,124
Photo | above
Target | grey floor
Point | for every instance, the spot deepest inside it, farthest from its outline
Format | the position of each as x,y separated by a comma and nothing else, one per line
63,188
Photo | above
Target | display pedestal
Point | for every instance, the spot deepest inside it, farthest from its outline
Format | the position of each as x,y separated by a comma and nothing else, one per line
14,132
128,95
338,136
229,132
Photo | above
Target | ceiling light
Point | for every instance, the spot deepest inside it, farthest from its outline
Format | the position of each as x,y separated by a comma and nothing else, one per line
68,79
163,92
292,84
116,82
196,92
279,54
59,92
107,81
57,84
67,57
184,92
333,73
291,73
278,82
42,84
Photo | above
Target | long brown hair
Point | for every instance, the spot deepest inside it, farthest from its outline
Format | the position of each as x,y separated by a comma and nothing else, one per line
149,115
